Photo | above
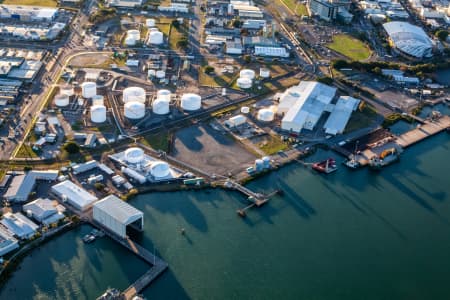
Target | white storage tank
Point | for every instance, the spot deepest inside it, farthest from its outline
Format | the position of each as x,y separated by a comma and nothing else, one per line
266,162
160,74
264,73
98,100
163,95
150,22
134,94
134,155
247,73
244,83
191,101
159,169
259,165
132,37
245,109
161,106
133,174
88,89
265,115
155,37
67,90
62,100
98,113
134,110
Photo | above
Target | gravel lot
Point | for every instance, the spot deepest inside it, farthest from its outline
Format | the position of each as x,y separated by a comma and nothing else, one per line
210,150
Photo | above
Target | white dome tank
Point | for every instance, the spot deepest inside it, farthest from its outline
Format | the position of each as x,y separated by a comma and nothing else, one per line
98,113
163,95
67,90
247,73
160,74
61,100
159,169
264,73
191,101
135,94
134,155
151,73
155,37
244,83
161,106
98,100
133,36
245,109
134,110
88,89
150,22
265,115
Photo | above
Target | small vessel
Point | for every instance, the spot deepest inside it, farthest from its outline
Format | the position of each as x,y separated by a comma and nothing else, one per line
352,163
327,166
386,157
88,238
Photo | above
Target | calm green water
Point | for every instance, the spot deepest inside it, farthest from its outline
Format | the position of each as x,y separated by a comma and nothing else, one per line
349,235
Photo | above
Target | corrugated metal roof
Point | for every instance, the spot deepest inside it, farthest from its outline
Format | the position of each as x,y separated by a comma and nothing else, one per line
409,38
118,209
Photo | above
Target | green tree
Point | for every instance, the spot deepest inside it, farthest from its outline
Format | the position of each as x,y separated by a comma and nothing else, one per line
182,43
247,58
72,147
441,34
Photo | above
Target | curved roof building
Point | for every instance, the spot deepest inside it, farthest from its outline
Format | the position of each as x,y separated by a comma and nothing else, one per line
409,39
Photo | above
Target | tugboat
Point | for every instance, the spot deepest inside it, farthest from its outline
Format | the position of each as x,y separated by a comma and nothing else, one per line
352,163
110,294
327,166
386,157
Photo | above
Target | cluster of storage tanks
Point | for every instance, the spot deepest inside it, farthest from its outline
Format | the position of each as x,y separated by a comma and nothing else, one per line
262,164
246,77
62,99
155,37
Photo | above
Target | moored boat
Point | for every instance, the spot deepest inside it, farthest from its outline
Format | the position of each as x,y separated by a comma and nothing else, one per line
327,166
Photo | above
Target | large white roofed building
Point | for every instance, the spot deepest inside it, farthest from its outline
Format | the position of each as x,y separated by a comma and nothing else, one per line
125,3
409,39
7,242
340,115
44,211
19,225
74,195
116,215
313,99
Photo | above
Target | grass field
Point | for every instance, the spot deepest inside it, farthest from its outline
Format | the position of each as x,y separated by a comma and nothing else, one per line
272,145
158,141
299,9
350,47
52,3
177,34
364,116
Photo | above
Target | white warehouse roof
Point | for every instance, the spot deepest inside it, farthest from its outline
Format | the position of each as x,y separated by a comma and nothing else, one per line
313,99
7,242
339,117
75,195
409,39
116,214
19,225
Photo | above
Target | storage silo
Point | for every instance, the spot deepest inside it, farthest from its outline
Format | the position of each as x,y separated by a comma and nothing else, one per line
266,162
163,95
161,106
264,73
98,113
132,37
191,101
245,109
155,37
247,73
134,110
66,90
150,22
133,94
62,100
134,155
88,89
265,115
159,169
259,165
244,82
98,100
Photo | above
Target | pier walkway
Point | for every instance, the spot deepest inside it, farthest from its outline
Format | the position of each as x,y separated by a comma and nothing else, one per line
426,130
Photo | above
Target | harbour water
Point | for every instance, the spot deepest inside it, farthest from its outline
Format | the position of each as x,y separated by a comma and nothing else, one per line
443,76
347,235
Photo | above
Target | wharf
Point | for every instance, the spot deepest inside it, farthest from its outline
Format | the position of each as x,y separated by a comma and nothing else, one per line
426,130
